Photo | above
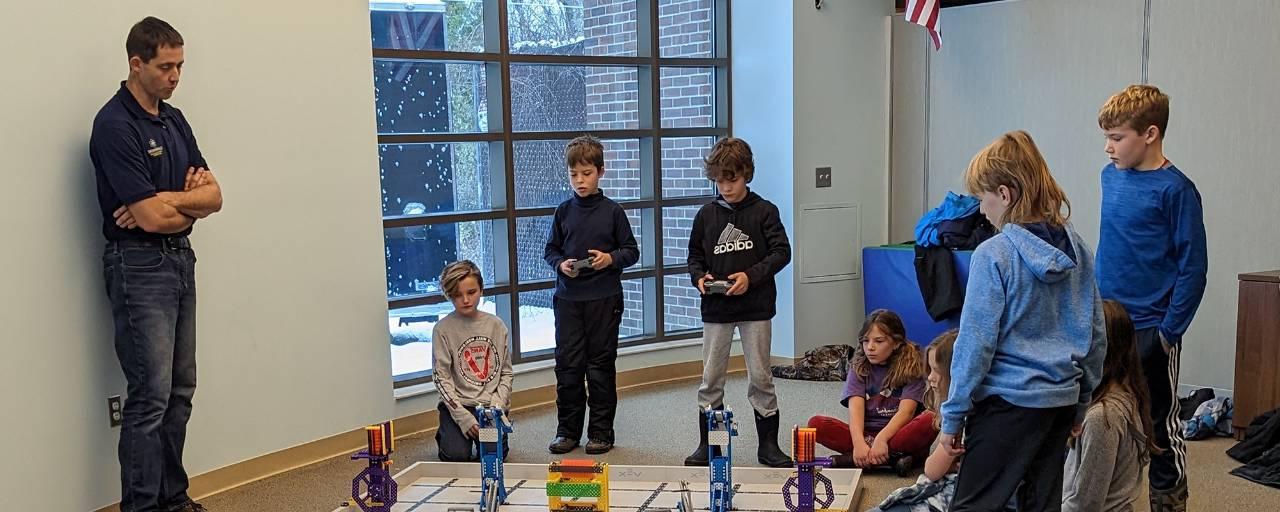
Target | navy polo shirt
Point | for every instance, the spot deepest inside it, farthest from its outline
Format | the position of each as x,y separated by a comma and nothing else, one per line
135,155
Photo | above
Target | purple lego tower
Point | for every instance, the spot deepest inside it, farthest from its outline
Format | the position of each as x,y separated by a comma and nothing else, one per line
808,474
381,487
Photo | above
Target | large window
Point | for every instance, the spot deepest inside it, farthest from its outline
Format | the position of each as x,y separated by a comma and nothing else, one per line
475,101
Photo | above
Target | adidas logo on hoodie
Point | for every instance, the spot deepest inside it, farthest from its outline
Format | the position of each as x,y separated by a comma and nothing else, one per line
732,239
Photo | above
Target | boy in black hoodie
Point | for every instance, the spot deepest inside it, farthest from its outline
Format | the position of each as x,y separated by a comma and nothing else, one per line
591,228
740,238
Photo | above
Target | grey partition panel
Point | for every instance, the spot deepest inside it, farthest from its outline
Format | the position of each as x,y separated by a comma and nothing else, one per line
1043,66
909,138
1216,60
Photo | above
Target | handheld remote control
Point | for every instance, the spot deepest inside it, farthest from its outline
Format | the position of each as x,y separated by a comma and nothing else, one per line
580,265
718,286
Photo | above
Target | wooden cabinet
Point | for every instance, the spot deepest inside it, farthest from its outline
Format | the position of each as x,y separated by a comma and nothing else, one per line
1257,387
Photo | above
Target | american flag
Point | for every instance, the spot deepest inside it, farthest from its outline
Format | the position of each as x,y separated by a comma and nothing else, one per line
925,14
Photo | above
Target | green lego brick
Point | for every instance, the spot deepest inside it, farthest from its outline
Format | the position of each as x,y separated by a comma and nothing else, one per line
573,490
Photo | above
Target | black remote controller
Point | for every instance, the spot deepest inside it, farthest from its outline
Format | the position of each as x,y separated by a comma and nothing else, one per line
719,286
580,265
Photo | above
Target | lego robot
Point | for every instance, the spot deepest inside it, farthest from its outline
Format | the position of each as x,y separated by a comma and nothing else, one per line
494,428
380,488
805,481
720,431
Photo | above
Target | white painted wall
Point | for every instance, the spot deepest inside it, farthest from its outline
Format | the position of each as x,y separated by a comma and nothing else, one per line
292,317
841,121
763,116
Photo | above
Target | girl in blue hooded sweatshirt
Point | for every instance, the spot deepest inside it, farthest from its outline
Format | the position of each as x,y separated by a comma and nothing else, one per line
1032,337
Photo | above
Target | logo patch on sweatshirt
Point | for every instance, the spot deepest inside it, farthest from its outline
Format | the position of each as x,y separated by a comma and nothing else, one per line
478,358
733,239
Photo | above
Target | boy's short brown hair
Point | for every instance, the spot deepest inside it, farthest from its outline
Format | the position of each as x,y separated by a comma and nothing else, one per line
729,159
1137,106
455,272
584,150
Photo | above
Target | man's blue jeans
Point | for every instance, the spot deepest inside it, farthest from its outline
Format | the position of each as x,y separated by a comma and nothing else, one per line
151,285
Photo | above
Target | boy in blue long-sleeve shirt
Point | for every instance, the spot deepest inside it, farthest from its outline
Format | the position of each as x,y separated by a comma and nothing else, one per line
1152,258
588,301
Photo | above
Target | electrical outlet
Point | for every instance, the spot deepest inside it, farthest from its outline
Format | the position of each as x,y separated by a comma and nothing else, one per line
824,177
115,411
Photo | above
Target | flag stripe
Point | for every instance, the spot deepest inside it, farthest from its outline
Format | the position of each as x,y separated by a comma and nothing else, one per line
925,13
932,22
914,9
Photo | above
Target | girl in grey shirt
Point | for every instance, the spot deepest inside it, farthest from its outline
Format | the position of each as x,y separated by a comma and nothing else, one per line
1108,455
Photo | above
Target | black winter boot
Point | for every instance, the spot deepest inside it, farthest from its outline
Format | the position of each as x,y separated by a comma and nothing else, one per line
699,455
1172,500
902,463
768,452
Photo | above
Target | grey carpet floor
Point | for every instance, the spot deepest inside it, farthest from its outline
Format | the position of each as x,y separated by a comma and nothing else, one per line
655,426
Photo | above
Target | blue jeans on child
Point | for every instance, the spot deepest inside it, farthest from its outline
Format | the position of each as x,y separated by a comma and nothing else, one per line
151,285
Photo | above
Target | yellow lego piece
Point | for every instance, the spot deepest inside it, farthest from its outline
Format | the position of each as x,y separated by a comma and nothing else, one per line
570,480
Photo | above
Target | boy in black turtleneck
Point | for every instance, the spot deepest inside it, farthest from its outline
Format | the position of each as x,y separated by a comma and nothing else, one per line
738,237
588,301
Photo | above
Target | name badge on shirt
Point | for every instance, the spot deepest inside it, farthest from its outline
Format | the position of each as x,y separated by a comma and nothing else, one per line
155,150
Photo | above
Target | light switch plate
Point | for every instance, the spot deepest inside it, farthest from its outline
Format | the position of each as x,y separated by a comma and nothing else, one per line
824,177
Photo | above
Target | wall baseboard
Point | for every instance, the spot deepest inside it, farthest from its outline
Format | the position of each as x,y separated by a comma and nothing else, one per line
783,361
289,459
